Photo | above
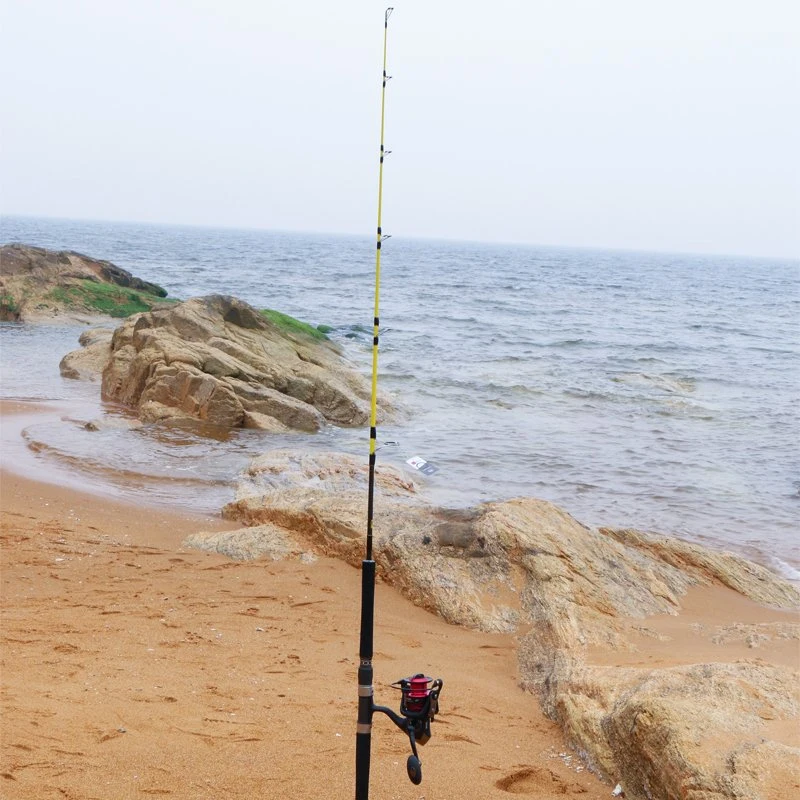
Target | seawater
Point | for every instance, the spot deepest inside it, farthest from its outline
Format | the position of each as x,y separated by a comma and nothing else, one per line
656,391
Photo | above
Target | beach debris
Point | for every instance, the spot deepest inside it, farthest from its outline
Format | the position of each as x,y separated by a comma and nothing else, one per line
425,467
618,791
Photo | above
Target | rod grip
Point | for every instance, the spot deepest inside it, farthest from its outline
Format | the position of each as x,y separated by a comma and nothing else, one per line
367,608
363,741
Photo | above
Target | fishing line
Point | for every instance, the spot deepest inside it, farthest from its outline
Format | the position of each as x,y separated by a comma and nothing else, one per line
419,694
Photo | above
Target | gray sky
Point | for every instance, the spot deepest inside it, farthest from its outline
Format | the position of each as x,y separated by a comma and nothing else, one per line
653,125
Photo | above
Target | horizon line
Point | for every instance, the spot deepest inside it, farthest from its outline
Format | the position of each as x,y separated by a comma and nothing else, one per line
413,237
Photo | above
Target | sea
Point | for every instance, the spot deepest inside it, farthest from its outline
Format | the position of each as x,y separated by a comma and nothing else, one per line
657,391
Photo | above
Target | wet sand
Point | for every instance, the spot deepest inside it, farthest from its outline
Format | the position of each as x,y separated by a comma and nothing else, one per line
132,668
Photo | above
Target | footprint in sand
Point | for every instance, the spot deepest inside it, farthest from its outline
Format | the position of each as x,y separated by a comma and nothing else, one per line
531,780
66,648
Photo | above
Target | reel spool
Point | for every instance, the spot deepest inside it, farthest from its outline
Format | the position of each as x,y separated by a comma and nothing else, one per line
419,703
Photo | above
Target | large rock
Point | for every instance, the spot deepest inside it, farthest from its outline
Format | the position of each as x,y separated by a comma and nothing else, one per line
38,284
490,564
710,731
694,731
218,360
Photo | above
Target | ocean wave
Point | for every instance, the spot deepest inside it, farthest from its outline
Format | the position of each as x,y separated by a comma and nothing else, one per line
784,569
667,382
479,388
80,464
774,350
593,394
464,320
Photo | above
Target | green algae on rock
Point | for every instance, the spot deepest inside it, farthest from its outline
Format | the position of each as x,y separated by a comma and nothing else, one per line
104,298
39,285
289,324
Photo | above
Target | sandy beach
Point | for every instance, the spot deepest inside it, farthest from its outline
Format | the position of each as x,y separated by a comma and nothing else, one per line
134,668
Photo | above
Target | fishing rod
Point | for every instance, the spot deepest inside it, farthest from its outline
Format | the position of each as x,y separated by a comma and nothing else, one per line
419,694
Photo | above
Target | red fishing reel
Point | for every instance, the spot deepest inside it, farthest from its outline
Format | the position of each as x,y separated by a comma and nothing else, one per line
419,704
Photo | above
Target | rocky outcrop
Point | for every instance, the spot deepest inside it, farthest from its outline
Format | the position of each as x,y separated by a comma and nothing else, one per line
38,284
576,580
218,360
705,731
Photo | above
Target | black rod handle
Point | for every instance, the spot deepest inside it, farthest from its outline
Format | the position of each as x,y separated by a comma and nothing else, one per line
363,742
367,609
365,687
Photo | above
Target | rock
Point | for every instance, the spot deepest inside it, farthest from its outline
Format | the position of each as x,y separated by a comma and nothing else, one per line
261,541
88,363
766,770
526,566
678,731
741,575
38,284
330,474
262,422
113,423
686,731
218,360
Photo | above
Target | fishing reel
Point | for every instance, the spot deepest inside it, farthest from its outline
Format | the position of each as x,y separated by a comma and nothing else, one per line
419,704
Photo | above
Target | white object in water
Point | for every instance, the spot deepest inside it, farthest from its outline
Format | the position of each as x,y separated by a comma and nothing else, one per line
425,467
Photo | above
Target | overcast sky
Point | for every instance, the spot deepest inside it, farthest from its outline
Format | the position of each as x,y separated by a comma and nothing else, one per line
642,124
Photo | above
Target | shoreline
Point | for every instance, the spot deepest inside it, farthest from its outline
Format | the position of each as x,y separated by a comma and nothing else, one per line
16,413
11,409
